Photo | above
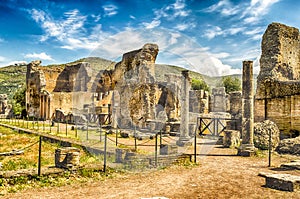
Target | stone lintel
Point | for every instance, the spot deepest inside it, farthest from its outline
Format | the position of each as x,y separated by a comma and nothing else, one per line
283,182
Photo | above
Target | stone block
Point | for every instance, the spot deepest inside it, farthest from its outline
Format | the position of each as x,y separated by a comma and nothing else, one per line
283,182
67,157
231,138
166,149
119,155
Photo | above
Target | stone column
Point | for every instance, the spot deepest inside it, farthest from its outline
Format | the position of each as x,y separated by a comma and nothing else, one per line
247,148
184,119
115,108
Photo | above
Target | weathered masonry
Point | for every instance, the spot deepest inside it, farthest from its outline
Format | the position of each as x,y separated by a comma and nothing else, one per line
278,84
129,92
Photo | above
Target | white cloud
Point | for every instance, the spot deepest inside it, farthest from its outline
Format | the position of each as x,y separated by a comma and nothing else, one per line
2,59
185,26
69,26
42,56
174,48
69,30
224,7
132,17
153,24
110,10
96,17
257,10
212,32
172,11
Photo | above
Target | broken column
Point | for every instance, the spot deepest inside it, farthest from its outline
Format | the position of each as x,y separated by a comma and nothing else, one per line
247,148
184,123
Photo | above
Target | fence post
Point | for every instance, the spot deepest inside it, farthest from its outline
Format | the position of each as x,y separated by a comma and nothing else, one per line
160,138
40,158
105,150
195,145
33,123
135,145
66,127
75,129
116,137
270,147
100,132
87,129
38,123
27,122
50,124
156,150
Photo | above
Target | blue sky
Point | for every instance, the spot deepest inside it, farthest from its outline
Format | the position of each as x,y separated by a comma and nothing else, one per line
209,36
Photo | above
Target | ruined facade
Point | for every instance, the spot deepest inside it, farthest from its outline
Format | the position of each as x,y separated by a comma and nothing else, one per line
278,84
129,92
68,88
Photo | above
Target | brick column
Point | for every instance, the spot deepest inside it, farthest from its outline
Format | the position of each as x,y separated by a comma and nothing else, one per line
247,148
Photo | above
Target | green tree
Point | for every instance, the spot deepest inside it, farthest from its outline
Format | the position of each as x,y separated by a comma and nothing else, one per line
198,84
19,100
231,84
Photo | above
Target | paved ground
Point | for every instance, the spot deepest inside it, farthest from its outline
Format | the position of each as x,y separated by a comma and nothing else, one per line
220,174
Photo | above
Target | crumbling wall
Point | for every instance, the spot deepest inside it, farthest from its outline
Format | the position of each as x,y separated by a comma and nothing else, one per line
278,84
56,87
218,100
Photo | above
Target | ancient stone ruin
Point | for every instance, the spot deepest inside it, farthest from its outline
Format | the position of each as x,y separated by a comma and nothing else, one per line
129,94
278,84
5,108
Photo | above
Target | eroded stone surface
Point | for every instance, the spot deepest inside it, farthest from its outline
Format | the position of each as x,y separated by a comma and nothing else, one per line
261,134
278,83
284,182
291,146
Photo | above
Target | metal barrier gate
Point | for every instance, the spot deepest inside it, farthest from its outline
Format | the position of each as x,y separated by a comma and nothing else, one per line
212,125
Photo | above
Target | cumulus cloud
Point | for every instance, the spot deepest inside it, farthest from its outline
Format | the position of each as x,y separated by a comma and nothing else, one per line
42,56
174,48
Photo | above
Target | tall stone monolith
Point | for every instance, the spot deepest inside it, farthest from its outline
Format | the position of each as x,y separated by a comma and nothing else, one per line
184,119
247,148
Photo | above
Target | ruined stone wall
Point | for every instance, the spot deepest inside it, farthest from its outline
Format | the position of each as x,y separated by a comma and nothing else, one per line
57,87
278,84
198,102
218,100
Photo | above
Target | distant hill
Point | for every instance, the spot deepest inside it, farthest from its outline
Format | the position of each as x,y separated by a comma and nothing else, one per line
13,77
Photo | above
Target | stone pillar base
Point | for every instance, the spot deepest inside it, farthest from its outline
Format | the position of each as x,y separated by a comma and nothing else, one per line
246,150
184,141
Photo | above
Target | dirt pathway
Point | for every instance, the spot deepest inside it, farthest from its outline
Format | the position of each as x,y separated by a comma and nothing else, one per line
220,174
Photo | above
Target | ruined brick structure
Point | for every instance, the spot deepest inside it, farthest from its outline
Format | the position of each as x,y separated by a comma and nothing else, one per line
278,84
68,88
129,91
